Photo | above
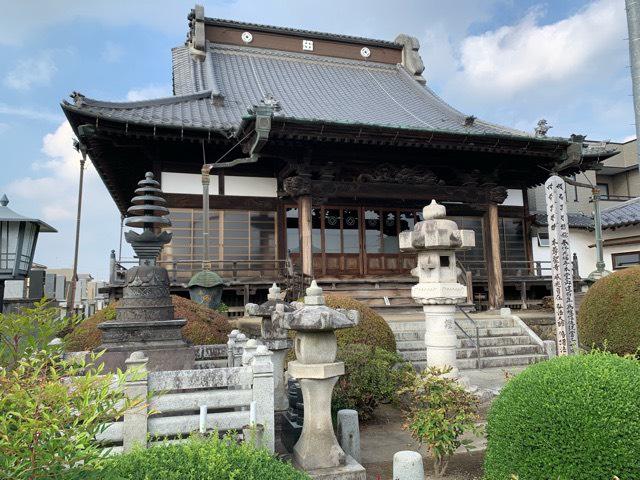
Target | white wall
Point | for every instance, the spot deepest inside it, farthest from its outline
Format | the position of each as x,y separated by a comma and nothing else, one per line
514,198
191,183
580,241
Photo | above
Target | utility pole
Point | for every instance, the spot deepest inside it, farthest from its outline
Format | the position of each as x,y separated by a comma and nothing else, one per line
71,296
633,21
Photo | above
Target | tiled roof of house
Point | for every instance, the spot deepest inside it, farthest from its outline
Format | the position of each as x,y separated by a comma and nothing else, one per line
625,214
217,92
576,220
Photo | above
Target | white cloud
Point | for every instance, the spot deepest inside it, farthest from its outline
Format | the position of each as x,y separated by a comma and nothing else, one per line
51,194
531,56
31,72
30,113
148,92
4,127
112,52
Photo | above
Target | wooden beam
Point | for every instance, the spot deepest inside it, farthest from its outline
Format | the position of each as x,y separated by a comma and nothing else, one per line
304,219
495,288
222,202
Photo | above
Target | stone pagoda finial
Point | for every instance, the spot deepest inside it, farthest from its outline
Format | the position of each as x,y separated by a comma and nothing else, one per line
274,292
149,213
434,210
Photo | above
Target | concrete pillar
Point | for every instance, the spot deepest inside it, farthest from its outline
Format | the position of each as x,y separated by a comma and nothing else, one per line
135,389
440,337
263,394
304,223
495,285
407,465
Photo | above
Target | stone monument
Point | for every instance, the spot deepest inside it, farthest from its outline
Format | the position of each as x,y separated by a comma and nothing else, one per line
435,240
144,317
561,266
317,451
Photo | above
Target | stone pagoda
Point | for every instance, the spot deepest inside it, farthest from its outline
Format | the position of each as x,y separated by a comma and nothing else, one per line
144,316
435,240
317,451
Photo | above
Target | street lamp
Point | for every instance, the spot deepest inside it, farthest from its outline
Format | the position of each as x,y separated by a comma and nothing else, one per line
18,237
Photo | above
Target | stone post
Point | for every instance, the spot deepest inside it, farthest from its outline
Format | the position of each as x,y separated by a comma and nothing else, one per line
407,465
317,451
238,349
275,338
349,432
435,241
135,389
231,343
263,394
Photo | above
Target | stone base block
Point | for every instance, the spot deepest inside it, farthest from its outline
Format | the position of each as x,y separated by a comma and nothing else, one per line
351,470
160,359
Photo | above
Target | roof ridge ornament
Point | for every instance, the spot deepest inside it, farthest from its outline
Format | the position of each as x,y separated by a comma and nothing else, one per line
411,59
4,201
196,40
542,128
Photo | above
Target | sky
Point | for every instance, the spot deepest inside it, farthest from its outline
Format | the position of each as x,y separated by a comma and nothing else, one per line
511,62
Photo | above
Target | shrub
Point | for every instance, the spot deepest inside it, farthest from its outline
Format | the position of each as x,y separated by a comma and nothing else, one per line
568,418
370,378
609,316
50,408
204,326
199,459
371,330
437,411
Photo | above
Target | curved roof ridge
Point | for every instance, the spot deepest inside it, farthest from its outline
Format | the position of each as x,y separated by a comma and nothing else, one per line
81,100
288,30
621,205
425,89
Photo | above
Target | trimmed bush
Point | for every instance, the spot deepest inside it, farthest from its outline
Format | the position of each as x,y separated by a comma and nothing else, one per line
199,459
609,317
204,326
372,329
369,379
568,418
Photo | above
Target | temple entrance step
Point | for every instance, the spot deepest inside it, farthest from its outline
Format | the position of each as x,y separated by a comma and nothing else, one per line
502,342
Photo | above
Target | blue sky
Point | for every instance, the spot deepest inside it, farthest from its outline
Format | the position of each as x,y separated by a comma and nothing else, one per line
508,61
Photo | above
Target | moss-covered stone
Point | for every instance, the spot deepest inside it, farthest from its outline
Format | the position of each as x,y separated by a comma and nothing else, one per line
609,316
204,326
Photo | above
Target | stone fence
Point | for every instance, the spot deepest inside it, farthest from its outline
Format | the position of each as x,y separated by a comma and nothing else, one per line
185,401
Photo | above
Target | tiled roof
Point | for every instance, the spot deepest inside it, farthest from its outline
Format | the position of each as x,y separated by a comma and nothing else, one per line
576,220
217,92
625,214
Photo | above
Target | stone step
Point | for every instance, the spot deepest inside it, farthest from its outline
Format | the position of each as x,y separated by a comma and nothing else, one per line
409,331
409,335
489,362
496,341
416,342
506,361
504,351
469,326
417,325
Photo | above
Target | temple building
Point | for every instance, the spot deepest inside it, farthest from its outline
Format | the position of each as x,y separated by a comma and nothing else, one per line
324,148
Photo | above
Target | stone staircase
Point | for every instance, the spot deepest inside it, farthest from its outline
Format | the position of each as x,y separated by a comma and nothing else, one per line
503,342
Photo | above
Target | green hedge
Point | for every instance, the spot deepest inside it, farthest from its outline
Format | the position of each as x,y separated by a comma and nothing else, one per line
609,317
371,330
199,459
569,418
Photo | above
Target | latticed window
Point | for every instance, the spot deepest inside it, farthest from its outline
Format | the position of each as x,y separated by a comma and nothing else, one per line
239,240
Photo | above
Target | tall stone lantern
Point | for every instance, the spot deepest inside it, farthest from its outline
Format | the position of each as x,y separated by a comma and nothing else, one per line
435,240
145,317
317,451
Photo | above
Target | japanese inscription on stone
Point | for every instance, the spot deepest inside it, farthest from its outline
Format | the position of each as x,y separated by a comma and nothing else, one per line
562,266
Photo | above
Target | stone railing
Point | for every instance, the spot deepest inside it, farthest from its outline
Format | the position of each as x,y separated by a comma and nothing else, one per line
185,401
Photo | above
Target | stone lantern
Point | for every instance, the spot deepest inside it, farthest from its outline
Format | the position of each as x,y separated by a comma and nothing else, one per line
18,237
317,451
435,240
275,338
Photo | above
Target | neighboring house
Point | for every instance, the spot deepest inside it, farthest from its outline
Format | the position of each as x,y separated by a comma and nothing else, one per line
619,183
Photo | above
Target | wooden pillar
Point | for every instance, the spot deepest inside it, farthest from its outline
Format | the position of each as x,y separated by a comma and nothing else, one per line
304,224
494,270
